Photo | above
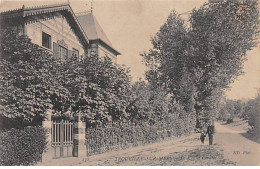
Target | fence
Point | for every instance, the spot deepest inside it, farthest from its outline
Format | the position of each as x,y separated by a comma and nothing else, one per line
114,137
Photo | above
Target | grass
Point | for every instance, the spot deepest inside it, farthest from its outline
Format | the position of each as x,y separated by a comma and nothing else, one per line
202,156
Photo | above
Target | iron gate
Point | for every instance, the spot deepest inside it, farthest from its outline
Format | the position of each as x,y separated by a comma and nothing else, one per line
62,138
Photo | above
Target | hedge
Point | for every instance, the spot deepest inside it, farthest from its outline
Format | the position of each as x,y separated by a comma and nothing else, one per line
121,136
22,146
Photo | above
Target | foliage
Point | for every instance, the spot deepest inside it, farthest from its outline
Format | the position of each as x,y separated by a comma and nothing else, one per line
124,135
22,147
251,112
97,88
33,81
222,33
29,81
151,117
148,105
230,109
22,84
139,109
208,54
254,115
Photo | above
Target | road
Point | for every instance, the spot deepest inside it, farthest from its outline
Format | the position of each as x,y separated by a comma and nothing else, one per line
230,148
236,147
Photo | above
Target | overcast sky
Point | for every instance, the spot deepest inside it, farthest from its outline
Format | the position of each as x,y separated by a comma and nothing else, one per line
130,24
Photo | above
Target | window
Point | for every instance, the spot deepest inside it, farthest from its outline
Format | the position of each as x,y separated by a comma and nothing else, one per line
76,53
63,53
46,40
93,52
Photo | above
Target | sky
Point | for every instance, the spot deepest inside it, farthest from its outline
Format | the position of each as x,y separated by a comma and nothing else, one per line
130,24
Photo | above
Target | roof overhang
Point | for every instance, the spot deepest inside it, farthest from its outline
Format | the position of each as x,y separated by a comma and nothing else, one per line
49,11
99,41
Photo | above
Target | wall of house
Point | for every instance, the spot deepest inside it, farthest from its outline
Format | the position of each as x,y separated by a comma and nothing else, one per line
104,52
101,52
93,49
58,28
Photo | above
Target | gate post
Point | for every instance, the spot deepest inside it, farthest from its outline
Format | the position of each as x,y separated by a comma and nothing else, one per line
46,124
80,138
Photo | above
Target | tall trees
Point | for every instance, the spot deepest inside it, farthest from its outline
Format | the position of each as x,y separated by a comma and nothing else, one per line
201,59
148,105
33,81
221,35
26,79
98,88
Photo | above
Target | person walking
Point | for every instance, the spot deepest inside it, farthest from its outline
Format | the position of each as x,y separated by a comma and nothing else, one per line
210,132
202,136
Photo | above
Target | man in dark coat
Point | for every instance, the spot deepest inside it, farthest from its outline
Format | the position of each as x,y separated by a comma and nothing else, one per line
210,132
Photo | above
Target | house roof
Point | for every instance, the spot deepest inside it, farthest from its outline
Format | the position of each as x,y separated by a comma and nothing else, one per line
64,9
94,31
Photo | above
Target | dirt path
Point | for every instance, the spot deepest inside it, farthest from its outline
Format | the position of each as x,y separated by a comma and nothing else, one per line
230,148
236,147
185,151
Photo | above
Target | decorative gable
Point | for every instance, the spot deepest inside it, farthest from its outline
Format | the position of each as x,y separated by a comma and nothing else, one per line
47,25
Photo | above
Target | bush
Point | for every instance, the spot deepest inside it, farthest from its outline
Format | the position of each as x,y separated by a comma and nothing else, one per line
253,111
230,120
22,146
121,136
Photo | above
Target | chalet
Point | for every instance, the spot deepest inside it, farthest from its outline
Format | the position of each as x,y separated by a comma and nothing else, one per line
57,29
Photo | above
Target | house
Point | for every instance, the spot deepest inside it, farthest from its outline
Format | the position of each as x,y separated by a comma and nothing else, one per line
57,29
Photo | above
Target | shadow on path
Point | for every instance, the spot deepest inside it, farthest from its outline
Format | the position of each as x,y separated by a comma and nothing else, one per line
252,137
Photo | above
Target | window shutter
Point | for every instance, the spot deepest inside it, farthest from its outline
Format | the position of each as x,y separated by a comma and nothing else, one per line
56,51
